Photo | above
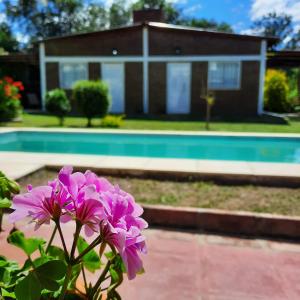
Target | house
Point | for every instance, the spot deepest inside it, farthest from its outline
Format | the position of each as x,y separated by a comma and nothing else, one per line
154,68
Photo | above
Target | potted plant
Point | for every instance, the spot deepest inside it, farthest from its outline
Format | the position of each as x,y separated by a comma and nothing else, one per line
99,210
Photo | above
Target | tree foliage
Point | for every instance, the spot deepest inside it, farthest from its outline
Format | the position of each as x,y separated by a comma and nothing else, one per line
276,91
43,19
280,26
8,42
172,14
119,14
93,98
206,24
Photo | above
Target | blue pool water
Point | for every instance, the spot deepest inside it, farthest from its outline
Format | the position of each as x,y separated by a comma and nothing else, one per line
240,148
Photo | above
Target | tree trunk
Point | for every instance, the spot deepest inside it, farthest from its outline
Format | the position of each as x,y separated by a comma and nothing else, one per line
207,116
89,122
61,121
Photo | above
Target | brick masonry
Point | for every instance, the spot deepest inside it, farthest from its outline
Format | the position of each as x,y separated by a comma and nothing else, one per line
225,222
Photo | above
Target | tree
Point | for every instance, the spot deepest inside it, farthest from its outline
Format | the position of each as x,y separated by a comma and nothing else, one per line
42,19
171,12
119,15
277,25
93,98
57,103
93,17
206,24
294,42
8,42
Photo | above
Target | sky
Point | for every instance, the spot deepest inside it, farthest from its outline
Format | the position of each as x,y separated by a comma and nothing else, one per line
238,13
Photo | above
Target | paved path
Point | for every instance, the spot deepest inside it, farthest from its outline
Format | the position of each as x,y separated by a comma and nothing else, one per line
197,266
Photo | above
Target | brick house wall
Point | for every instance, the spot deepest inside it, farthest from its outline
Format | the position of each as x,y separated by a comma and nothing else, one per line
145,63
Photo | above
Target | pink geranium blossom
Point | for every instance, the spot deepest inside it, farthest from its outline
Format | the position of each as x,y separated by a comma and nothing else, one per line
40,203
95,204
123,228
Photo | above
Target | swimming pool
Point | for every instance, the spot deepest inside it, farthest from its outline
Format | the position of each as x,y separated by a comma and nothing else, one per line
237,148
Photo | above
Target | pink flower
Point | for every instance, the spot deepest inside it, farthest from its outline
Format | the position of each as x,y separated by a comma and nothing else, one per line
83,196
39,203
123,228
93,202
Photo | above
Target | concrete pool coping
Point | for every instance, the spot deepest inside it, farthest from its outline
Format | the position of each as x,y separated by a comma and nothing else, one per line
144,131
278,174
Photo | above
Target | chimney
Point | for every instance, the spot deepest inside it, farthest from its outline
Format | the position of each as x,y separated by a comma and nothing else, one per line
148,15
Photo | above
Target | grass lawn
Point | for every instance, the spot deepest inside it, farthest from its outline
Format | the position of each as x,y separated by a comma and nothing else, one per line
33,120
199,194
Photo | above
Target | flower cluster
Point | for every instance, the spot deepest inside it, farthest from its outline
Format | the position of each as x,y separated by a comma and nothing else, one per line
11,88
94,203
10,97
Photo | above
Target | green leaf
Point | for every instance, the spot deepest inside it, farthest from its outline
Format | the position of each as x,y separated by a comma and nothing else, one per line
5,293
41,260
114,274
119,264
3,263
28,245
109,255
5,276
5,203
49,284
113,295
54,269
91,260
56,252
74,276
29,288
48,273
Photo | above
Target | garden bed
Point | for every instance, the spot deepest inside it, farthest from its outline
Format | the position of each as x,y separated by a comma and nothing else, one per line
275,200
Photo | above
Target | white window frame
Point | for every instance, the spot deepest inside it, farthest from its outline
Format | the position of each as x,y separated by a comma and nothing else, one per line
71,63
238,87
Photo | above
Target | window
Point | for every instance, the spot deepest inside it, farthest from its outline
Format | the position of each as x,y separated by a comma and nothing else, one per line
224,75
72,72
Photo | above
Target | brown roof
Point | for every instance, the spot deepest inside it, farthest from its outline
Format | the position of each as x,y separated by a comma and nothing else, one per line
166,26
284,58
29,58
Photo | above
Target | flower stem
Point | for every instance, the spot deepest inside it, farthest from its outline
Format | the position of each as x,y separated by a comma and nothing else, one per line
84,278
76,237
62,240
51,238
1,217
101,279
66,282
88,249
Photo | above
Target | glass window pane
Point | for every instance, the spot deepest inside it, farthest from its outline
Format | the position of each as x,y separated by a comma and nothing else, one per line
70,73
223,75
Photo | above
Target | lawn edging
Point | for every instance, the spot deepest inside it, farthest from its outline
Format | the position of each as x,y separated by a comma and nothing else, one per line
226,222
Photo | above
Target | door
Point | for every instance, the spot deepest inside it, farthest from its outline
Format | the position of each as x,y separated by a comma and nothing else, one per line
178,88
113,74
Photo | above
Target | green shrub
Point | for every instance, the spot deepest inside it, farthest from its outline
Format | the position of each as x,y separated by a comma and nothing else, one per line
294,95
93,98
110,121
276,92
58,104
